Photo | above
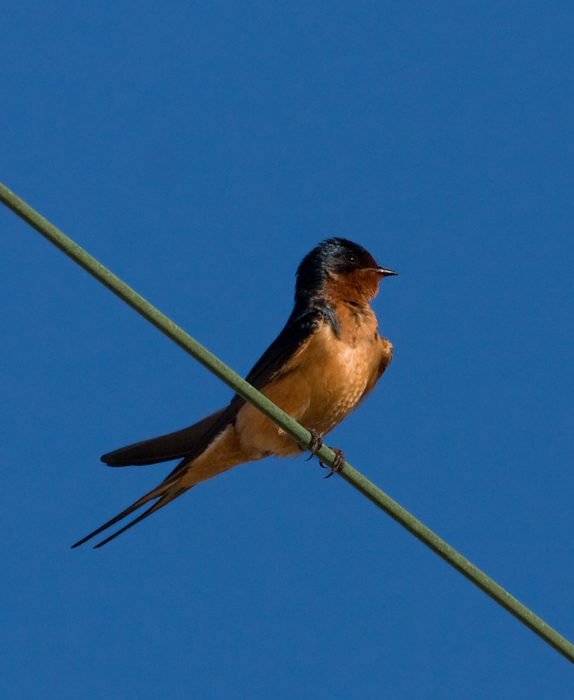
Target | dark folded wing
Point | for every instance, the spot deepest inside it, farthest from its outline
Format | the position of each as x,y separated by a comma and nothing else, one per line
161,449
302,324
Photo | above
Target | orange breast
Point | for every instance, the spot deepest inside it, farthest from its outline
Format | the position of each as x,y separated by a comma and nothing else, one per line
326,381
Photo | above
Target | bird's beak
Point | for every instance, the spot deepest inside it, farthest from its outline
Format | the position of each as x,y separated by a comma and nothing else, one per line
384,273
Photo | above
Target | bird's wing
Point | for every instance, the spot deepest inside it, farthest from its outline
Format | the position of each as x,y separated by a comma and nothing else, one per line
164,448
189,443
274,362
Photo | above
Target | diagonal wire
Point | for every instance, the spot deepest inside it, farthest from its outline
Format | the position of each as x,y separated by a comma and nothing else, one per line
291,427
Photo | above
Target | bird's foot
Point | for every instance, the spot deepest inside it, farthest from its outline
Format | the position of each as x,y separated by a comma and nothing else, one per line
338,464
315,444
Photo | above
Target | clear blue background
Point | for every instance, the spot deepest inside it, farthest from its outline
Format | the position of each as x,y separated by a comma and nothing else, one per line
199,150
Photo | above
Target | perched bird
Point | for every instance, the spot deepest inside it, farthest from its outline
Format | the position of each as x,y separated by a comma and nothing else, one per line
324,362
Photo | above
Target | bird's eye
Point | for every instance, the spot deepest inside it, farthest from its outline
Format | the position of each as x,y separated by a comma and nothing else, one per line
351,258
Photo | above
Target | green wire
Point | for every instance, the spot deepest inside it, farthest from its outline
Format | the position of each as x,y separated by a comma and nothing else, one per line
291,427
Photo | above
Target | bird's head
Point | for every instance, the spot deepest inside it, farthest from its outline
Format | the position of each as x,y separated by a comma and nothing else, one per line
338,269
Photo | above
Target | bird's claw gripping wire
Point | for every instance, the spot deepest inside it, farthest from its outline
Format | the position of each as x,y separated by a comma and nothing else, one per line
316,444
338,464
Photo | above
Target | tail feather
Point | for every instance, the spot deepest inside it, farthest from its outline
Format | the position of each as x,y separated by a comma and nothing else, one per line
160,503
188,444
165,492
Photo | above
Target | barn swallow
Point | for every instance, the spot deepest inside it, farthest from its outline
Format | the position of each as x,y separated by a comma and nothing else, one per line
324,362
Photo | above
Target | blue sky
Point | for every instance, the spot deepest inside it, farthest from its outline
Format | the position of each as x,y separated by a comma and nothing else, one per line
200,150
